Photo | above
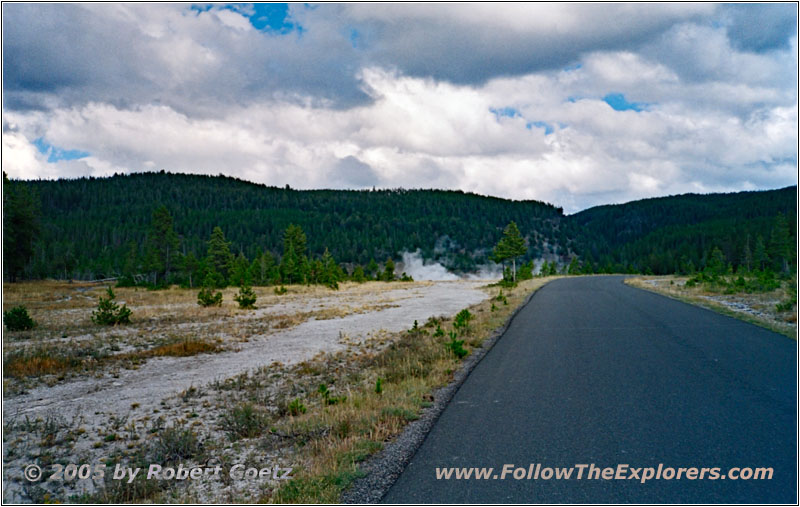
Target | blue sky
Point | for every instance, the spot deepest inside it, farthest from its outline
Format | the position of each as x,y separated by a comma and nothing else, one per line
55,154
576,104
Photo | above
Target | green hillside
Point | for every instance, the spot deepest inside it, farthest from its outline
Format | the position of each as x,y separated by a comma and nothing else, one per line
92,228
672,234
88,223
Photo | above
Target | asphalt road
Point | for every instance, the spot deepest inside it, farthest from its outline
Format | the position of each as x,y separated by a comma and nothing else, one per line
592,371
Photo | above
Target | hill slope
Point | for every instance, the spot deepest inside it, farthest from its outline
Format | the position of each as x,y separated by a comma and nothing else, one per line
666,234
92,220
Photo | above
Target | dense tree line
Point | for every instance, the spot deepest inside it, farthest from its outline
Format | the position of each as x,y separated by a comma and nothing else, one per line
158,228
678,234
92,227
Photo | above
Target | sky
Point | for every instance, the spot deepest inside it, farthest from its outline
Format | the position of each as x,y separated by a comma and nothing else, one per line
572,104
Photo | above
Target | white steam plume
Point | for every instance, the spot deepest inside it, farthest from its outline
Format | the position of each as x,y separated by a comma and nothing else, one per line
420,269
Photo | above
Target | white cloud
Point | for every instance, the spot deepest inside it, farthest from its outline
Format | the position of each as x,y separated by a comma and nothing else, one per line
206,93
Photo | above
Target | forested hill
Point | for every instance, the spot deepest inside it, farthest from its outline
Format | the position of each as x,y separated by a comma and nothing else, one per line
99,227
677,233
88,223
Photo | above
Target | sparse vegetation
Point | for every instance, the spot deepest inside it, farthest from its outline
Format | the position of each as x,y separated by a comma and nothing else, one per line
244,421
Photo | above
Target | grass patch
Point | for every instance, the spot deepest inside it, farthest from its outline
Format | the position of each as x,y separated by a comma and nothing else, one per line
44,360
37,361
184,348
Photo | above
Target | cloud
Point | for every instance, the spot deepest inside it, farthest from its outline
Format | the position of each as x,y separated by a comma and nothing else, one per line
574,104
353,173
761,27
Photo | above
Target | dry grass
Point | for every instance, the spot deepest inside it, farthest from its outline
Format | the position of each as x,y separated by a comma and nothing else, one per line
38,361
182,348
36,365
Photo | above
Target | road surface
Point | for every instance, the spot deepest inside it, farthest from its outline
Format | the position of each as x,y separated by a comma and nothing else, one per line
592,371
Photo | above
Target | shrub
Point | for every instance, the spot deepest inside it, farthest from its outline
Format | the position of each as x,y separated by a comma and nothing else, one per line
326,395
461,322
17,319
176,443
109,313
280,291
246,297
379,386
456,346
296,407
207,297
244,421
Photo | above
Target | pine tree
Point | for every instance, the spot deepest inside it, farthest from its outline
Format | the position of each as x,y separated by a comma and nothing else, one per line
220,257
240,271
246,297
716,263
760,257
388,272
162,245
358,274
372,270
780,244
191,267
510,246
573,269
294,263
330,271
130,269
747,255
20,226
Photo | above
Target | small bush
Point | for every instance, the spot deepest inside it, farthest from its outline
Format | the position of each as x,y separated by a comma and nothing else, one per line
207,297
461,322
109,313
280,291
176,443
456,346
330,399
17,319
296,407
379,386
246,298
244,421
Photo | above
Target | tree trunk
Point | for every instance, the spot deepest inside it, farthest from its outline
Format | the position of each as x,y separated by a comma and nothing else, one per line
514,269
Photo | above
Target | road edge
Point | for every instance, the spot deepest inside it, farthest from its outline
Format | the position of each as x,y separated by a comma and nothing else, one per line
718,309
384,468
